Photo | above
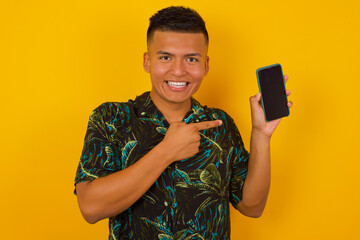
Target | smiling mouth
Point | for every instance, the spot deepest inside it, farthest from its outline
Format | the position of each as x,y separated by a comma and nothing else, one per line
177,84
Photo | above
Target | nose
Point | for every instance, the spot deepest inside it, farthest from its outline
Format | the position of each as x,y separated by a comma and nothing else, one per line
178,68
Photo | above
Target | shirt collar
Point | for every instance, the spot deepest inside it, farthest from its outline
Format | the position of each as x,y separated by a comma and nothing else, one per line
147,109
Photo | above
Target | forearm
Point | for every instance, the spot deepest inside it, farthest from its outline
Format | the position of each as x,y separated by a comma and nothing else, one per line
109,196
257,183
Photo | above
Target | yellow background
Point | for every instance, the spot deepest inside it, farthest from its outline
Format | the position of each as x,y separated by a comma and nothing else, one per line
61,59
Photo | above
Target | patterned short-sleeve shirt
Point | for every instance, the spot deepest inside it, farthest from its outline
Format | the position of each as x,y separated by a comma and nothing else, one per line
190,199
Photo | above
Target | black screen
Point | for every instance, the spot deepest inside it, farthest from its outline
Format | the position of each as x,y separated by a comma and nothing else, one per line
273,92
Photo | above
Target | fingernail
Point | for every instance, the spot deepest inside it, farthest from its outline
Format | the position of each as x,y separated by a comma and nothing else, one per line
220,122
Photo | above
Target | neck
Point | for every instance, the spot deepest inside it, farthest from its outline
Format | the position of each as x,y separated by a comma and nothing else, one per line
173,112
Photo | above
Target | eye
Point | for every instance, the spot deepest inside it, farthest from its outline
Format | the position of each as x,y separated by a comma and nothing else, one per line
166,58
192,60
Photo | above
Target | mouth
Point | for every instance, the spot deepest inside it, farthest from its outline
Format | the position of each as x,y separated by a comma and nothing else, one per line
177,85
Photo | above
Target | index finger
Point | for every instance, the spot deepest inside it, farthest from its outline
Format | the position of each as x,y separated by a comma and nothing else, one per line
286,78
207,124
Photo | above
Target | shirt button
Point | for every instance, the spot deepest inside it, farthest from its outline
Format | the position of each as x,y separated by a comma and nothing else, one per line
178,222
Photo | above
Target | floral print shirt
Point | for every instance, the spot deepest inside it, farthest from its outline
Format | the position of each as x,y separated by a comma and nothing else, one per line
190,199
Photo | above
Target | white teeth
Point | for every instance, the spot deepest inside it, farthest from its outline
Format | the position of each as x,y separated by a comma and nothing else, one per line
177,84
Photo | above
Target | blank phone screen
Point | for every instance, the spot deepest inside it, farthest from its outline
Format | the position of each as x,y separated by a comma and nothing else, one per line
273,94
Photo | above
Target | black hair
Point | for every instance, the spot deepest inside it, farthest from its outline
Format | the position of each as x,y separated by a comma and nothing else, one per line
177,19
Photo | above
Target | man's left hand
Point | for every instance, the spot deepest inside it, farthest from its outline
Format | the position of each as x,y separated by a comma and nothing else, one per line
257,115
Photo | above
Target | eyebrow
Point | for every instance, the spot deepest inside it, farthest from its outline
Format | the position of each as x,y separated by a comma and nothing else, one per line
187,55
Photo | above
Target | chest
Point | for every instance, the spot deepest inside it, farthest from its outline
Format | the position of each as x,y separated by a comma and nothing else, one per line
211,165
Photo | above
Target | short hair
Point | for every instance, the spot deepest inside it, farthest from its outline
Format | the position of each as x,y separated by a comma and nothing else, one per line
177,19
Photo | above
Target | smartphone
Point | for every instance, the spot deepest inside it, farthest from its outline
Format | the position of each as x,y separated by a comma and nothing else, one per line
273,93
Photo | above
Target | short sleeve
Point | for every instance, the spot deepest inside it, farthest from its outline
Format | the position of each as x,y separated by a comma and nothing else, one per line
99,156
239,165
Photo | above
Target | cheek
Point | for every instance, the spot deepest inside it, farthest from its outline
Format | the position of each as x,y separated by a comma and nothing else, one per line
158,70
197,73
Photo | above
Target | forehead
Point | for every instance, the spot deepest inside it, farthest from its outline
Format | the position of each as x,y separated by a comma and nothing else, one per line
177,41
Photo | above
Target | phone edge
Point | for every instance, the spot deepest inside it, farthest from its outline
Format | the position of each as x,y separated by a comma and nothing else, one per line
262,102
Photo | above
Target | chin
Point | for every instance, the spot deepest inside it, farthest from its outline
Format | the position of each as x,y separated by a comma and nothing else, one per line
177,99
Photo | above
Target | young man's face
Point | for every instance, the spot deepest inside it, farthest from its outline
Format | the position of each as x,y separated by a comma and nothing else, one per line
177,63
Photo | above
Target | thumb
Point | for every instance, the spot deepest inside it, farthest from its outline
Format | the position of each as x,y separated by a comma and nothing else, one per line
256,98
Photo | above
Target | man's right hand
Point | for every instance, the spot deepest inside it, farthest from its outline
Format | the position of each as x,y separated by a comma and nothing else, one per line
183,140
109,196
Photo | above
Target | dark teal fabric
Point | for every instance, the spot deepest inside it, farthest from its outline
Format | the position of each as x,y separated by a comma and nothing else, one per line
190,199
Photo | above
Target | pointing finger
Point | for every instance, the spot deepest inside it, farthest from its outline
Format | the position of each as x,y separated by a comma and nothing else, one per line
207,124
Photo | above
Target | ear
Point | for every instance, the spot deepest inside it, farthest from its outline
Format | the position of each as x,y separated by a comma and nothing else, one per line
206,65
146,62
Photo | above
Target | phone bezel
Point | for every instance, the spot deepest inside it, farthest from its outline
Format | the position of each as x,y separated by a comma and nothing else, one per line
258,80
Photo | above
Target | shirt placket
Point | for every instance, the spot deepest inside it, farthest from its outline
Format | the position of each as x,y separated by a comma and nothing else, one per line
178,223
173,223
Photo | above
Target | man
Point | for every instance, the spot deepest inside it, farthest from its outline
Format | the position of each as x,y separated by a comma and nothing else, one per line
163,166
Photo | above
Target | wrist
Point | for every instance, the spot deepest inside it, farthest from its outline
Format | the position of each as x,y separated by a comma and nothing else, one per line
258,134
163,153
